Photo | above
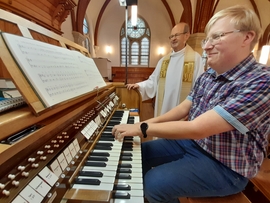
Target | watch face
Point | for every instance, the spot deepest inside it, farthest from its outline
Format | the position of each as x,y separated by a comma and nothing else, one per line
136,31
144,127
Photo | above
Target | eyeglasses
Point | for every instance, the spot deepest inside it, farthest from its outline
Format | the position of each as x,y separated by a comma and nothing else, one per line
176,35
215,39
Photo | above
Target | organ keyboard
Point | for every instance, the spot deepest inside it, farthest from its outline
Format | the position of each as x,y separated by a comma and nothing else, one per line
114,166
120,167
81,162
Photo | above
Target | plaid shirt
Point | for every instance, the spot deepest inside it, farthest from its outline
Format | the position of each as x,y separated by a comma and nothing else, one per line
241,96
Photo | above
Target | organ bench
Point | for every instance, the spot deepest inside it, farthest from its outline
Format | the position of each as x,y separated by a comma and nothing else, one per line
237,198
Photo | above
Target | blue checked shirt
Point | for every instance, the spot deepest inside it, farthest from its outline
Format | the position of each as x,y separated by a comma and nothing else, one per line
241,96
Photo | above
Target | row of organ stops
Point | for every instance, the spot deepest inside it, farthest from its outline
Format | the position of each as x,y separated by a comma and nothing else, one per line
115,165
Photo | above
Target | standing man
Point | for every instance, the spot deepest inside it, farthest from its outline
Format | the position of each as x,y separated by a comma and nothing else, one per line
174,75
223,143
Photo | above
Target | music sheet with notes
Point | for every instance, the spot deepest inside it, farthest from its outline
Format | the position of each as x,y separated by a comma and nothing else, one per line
55,73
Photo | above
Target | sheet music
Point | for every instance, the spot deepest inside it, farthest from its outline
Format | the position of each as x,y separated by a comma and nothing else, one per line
56,74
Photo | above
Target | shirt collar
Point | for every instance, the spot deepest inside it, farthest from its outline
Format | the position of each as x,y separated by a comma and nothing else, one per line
173,53
235,72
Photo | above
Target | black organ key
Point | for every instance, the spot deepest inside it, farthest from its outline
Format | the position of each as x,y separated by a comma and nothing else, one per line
120,195
128,138
87,181
126,158
127,148
122,187
131,120
103,147
124,170
123,176
118,113
108,128
106,154
124,165
91,173
126,154
115,118
113,123
98,164
107,139
105,144
106,134
127,144
97,158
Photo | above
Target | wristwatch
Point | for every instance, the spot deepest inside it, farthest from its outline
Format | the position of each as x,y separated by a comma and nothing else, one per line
144,127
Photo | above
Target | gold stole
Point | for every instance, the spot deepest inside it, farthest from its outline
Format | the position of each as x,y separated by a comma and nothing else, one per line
187,76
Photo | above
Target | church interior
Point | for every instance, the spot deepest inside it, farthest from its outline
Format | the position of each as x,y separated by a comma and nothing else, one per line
97,29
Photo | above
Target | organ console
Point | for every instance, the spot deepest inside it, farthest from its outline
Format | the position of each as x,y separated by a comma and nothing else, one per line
57,162
66,152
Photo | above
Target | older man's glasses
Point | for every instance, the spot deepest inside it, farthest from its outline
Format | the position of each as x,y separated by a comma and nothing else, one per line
176,35
215,39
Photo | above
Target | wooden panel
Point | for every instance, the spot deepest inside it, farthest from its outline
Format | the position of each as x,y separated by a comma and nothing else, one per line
130,99
49,14
9,27
134,75
262,180
237,198
89,196
44,38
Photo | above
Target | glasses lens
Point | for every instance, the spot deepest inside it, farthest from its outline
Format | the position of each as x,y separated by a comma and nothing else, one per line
203,42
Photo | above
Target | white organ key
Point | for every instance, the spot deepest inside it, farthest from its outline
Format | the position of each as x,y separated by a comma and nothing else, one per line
94,168
102,186
19,199
136,193
135,186
131,200
135,163
127,181
136,119
113,151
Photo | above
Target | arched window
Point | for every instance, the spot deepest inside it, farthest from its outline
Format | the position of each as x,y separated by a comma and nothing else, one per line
85,26
138,43
87,43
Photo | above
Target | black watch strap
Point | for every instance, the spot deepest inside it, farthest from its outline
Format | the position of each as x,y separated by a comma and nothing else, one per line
144,127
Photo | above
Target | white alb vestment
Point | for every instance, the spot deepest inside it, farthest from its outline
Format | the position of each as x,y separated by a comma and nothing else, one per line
173,84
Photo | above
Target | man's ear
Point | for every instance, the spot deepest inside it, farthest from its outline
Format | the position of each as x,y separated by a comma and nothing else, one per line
249,36
187,35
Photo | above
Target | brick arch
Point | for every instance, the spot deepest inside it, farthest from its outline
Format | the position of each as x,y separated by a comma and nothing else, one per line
204,11
187,13
169,11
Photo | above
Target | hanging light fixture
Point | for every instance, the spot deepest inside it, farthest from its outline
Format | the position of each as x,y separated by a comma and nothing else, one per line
134,15
127,3
122,2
